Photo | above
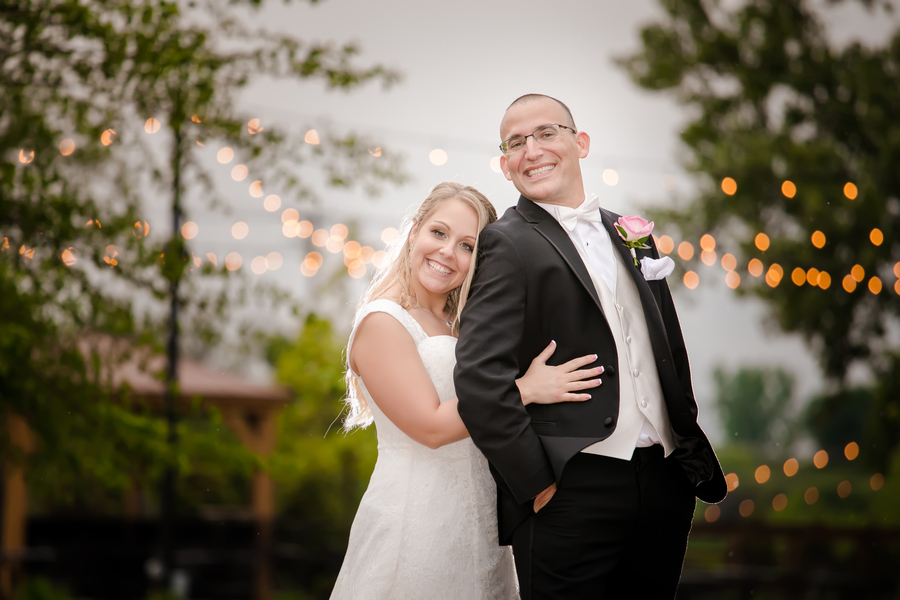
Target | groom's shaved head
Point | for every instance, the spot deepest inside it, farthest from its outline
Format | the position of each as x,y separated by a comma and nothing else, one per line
530,97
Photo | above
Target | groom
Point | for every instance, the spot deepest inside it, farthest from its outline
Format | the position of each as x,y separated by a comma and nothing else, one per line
596,497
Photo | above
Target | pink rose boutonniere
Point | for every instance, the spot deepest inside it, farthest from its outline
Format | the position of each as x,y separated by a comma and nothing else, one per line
635,232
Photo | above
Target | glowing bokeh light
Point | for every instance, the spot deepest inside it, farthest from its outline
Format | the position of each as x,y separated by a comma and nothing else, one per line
732,279
151,125
875,285
762,241
389,235
140,229
824,280
812,276
356,269
352,249
66,147
746,508
666,245
732,481
691,280
729,262
685,250
851,451
378,258
26,157
610,177
712,513
334,244
495,165
320,237
376,152
212,258
225,155
68,257
311,137
289,229
240,172
258,265
189,230
339,231
240,230
108,137
876,237
438,157
849,284
274,261
811,496
789,189
791,467
253,127
774,275
850,190
708,257
762,474
315,258
304,229
256,189
779,502
876,482
708,242
290,214
818,239
858,273
233,261
729,186
844,488
366,253
272,203
308,269
798,276
820,459
755,267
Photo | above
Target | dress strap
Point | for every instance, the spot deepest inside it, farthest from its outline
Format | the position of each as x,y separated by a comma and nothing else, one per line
395,310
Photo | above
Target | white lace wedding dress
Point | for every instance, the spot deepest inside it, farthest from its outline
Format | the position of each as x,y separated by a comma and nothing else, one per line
427,524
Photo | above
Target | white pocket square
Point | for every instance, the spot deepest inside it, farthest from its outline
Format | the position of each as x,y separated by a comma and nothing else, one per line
654,269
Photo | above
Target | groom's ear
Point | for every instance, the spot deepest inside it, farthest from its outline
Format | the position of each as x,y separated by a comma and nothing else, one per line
504,167
584,144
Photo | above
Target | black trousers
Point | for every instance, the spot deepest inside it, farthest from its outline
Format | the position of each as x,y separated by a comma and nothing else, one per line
614,529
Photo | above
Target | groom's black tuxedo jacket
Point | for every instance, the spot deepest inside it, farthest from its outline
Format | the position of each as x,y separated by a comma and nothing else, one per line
530,287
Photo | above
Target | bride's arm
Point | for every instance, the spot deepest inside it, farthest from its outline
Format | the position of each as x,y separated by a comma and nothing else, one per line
385,357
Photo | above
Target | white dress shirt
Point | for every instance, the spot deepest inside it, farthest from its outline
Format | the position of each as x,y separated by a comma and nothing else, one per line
594,245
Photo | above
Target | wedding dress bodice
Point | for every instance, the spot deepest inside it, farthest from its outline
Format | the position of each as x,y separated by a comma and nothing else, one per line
427,524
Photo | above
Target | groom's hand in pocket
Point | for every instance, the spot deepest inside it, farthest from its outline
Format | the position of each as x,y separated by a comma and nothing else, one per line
541,500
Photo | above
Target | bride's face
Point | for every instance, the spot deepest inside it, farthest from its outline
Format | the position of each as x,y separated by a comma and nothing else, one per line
441,247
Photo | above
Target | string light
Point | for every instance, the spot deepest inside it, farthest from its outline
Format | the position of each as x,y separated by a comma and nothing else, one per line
729,186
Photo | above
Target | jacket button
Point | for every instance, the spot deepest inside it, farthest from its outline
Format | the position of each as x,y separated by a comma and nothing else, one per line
610,370
608,421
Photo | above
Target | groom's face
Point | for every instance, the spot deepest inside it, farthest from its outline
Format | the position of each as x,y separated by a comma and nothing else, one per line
544,172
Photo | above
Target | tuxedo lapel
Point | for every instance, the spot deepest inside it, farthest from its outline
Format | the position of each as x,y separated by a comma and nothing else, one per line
652,313
553,232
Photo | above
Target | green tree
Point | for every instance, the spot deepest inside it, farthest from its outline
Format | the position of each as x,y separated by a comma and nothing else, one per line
79,83
754,405
808,135
320,470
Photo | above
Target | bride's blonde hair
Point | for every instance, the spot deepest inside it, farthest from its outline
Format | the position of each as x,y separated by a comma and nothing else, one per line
395,271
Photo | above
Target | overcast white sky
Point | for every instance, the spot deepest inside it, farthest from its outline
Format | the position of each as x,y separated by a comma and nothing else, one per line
463,62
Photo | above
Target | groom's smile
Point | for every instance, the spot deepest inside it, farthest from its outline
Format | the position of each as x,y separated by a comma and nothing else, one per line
547,170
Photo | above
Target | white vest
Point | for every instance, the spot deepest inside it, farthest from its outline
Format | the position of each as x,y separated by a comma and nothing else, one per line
640,393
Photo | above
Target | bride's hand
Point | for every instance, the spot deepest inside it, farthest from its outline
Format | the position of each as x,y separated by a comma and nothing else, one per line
543,384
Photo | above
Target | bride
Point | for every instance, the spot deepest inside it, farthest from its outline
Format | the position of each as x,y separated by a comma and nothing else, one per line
426,526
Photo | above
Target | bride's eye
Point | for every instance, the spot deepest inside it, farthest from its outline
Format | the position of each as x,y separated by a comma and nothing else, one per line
466,247
438,233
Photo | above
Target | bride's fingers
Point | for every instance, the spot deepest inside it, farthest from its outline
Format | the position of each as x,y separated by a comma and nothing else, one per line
584,384
546,353
577,363
585,373
570,397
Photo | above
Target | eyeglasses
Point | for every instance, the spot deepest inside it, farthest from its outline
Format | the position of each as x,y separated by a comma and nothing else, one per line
542,135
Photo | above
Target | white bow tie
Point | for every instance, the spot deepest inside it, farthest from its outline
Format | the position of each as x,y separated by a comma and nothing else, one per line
588,211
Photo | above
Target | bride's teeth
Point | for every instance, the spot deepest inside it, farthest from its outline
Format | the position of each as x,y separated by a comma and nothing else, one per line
438,268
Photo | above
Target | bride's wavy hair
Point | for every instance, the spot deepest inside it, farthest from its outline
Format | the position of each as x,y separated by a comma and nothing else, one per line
395,270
